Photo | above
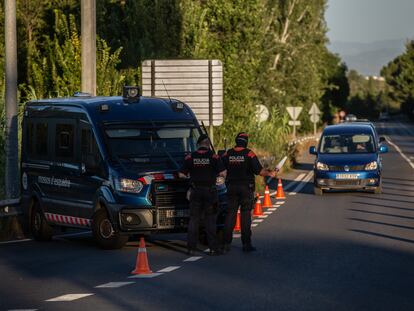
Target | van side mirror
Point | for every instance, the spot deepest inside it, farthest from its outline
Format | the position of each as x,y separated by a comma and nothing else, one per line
382,139
312,150
383,149
91,164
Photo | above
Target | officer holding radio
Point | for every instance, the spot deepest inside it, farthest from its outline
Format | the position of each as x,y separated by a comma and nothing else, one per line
242,165
203,166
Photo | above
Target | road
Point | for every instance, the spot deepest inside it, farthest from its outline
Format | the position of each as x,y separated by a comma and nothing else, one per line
340,251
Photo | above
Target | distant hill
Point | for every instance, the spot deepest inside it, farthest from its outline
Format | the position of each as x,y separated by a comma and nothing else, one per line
368,58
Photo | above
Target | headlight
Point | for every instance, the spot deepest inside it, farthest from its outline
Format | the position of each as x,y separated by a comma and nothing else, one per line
322,166
371,166
220,181
129,185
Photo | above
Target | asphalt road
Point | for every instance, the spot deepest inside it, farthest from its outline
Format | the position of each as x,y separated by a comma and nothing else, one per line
340,251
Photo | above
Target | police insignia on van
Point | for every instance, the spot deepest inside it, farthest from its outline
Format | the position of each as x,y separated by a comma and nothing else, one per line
109,164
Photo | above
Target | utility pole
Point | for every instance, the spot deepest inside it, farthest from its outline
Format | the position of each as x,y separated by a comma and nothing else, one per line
12,161
88,33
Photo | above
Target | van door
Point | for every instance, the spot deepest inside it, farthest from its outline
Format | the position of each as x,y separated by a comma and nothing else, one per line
63,198
92,170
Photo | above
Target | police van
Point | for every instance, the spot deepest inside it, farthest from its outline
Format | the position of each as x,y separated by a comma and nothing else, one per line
107,164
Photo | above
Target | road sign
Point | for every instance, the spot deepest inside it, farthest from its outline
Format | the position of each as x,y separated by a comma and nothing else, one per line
198,83
314,110
262,113
294,113
314,118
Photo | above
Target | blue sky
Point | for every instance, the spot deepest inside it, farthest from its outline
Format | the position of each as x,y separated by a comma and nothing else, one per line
370,20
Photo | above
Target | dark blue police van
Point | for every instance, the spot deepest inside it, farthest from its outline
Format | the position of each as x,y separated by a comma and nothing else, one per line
108,164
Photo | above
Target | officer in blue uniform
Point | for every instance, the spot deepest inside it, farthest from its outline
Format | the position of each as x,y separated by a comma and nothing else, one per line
242,165
203,166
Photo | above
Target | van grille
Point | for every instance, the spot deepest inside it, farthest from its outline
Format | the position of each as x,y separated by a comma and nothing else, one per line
170,199
341,168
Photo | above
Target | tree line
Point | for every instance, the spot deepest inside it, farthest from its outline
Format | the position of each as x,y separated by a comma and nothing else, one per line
274,53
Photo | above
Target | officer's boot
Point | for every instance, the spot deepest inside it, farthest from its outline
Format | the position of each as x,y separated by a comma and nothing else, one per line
248,248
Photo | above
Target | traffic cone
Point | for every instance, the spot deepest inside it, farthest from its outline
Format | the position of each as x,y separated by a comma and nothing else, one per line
280,195
258,208
266,201
141,265
237,226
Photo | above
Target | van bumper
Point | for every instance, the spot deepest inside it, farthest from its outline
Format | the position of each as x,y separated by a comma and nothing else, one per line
362,180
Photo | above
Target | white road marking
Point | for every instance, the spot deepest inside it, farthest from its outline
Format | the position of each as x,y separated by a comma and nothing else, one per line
144,276
258,220
268,213
291,184
194,258
169,269
302,184
114,284
16,241
22,310
263,216
400,152
236,235
272,208
280,202
206,250
255,225
69,297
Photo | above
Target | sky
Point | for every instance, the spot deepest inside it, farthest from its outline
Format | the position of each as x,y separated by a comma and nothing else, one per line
370,20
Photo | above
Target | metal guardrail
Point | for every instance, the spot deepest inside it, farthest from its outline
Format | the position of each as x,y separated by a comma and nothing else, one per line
10,207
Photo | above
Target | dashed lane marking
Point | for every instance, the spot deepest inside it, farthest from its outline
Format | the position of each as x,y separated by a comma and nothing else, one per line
257,220
169,269
255,225
194,258
280,202
114,284
291,184
22,310
263,216
268,213
236,235
272,209
144,276
69,297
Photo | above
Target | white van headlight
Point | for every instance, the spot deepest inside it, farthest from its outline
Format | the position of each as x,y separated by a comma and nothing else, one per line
322,166
129,185
371,166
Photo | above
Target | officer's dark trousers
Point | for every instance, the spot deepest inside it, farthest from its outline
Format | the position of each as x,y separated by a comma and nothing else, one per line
203,202
239,195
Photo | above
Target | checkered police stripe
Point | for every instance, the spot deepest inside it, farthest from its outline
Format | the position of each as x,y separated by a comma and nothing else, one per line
69,220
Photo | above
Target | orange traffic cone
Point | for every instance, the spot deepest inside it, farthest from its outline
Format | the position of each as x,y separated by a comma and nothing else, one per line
141,265
258,208
279,193
237,226
266,201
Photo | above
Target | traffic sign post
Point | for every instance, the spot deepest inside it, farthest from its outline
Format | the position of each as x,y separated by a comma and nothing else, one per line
314,116
294,113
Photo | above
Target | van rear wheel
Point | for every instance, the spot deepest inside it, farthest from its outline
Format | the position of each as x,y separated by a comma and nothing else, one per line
39,227
104,233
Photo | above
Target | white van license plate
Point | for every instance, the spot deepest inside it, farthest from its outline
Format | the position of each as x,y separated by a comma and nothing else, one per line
346,176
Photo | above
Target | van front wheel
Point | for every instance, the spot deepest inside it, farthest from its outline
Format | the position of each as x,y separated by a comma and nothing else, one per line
104,233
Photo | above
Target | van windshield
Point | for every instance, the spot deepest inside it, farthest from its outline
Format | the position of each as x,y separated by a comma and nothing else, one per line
157,148
347,143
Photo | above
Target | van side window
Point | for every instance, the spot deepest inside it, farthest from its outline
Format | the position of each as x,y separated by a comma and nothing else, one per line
64,141
89,148
30,139
41,139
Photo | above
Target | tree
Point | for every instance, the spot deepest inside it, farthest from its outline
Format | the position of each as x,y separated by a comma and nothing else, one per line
399,76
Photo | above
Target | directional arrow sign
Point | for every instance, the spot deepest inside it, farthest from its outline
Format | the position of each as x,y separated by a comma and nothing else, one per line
294,112
314,110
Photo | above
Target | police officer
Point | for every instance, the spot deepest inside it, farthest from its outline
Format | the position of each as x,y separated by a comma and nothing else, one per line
203,166
241,164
